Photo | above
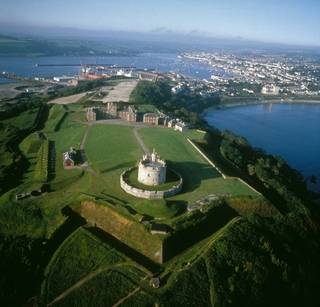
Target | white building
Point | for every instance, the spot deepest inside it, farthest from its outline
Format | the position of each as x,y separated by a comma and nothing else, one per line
180,126
64,79
270,89
177,89
171,123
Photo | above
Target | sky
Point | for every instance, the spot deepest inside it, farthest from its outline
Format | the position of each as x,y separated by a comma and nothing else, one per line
280,21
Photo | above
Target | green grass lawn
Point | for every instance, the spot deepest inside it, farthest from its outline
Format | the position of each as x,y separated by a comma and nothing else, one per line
199,177
70,134
113,149
77,113
41,216
110,150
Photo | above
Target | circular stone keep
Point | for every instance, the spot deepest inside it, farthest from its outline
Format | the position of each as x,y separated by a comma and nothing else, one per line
152,170
153,193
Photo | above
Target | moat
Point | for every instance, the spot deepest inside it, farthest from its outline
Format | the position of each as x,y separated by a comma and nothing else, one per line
288,130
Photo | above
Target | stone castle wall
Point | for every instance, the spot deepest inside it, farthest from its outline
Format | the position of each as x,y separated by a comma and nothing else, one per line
147,194
151,175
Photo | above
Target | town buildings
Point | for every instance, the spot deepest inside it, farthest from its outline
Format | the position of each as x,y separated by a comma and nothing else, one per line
245,74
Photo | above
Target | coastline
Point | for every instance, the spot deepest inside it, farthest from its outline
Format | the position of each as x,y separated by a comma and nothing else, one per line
206,113
258,102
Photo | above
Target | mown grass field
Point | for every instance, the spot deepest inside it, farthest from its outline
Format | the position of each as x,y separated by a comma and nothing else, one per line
112,149
200,178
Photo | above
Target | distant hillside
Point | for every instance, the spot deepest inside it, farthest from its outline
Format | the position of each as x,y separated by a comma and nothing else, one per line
14,46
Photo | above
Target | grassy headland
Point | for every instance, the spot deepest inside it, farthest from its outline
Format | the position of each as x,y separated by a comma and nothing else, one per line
240,250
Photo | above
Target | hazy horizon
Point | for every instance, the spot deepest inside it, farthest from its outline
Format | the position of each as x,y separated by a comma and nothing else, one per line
286,22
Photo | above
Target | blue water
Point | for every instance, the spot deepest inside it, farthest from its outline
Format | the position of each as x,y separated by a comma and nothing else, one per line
288,130
162,62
